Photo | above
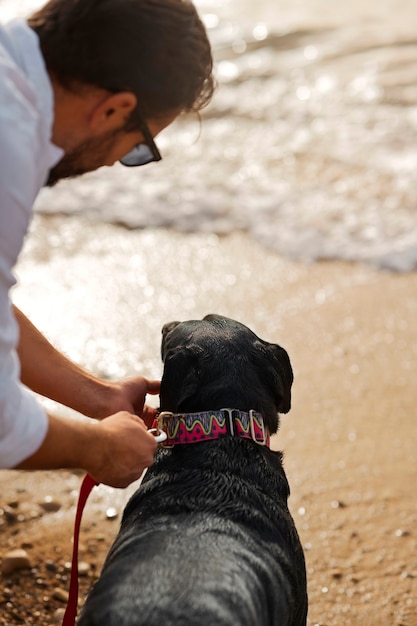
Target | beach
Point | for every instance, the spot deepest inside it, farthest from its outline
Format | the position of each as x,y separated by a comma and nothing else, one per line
290,205
349,440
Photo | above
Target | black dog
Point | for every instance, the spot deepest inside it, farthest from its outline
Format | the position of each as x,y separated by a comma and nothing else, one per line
208,540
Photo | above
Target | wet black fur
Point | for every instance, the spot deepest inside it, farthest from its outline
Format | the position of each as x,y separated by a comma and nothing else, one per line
208,540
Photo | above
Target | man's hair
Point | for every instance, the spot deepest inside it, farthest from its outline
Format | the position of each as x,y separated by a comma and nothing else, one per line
157,49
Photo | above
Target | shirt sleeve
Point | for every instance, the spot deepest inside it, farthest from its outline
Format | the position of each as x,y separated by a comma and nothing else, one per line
23,422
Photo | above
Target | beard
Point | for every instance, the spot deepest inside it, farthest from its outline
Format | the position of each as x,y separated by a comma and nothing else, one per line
86,157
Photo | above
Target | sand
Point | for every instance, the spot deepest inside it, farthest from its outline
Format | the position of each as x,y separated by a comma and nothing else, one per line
349,440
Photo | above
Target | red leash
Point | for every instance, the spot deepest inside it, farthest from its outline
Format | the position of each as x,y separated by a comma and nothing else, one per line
71,611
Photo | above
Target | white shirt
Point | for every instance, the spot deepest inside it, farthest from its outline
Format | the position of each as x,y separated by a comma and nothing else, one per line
26,156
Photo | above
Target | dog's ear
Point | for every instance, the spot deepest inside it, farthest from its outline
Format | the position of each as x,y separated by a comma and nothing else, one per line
166,329
279,375
180,378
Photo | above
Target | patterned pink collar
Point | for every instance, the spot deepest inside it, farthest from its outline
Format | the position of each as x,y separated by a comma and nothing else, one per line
182,428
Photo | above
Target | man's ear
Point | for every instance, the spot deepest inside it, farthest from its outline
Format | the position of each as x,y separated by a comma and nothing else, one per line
112,111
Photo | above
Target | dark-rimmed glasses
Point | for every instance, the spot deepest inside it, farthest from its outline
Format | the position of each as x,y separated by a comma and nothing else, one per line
145,152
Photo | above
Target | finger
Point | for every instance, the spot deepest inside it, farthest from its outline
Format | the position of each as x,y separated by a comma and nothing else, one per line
148,415
140,420
154,444
153,387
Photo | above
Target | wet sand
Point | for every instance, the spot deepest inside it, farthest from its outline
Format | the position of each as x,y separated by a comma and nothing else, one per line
102,294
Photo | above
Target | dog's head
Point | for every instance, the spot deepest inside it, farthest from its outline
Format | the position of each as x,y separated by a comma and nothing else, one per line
217,362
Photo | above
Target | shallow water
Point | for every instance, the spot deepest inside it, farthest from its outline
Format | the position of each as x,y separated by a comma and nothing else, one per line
309,144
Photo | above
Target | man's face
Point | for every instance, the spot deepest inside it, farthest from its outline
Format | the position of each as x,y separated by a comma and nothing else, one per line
96,151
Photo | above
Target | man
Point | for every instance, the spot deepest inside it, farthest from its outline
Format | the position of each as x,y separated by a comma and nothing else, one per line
83,83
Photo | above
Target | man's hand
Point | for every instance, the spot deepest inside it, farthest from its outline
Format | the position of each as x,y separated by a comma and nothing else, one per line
49,373
114,451
129,395
123,450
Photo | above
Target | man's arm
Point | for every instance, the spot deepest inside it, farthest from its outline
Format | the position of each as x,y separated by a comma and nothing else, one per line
114,451
48,372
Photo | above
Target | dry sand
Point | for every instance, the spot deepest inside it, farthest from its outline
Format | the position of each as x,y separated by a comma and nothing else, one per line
350,439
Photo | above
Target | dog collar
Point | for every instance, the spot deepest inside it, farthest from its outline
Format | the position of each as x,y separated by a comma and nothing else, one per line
184,428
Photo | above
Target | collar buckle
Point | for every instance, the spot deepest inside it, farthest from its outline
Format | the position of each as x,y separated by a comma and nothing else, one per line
230,424
260,442
158,428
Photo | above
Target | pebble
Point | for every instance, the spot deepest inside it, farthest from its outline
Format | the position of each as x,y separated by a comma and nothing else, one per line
58,616
337,504
83,568
50,566
15,560
101,537
10,514
60,594
111,513
50,505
